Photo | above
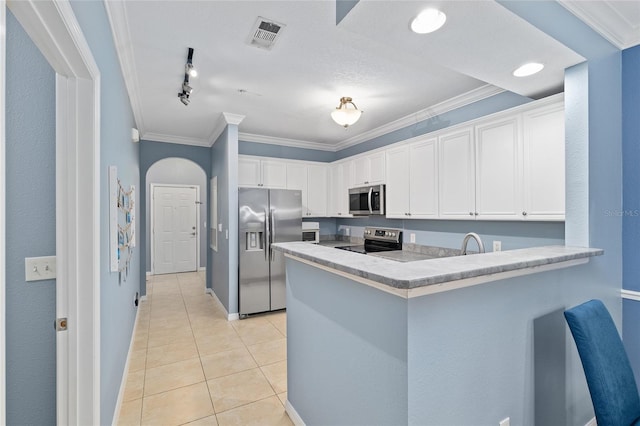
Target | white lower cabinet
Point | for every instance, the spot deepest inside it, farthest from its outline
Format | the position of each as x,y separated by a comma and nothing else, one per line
412,181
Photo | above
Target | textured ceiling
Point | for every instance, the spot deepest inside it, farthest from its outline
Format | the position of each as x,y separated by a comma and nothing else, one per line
286,94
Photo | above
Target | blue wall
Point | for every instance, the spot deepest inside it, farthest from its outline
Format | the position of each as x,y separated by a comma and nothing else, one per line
30,230
151,152
631,206
279,151
116,149
219,260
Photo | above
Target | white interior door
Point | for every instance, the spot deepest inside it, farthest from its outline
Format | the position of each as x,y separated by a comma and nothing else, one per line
174,229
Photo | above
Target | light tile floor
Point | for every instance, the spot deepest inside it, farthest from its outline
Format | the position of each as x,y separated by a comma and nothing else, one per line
189,365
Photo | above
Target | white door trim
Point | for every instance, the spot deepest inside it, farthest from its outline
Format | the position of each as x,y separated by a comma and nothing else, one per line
152,187
55,31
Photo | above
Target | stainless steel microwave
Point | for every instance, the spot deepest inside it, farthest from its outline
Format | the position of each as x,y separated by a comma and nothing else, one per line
367,200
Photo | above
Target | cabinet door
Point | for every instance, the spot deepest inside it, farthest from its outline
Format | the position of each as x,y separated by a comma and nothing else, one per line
249,174
398,181
274,174
335,178
456,175
498,170
376,168
316,190
297,179
544,166
423,181
361,171
347,181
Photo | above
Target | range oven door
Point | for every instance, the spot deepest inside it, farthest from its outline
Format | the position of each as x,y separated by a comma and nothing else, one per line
367,200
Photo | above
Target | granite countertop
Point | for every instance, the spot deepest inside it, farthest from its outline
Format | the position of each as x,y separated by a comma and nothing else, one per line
420,273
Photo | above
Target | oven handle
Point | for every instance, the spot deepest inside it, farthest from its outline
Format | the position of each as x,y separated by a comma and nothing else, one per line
370,194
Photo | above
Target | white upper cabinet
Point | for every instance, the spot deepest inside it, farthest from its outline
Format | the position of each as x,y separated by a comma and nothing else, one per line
369,169
412,180
311,179
544,164
317,197
498,146
340,180
456,174
259,173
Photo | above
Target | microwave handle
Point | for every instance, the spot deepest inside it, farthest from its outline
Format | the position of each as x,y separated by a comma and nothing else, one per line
370,194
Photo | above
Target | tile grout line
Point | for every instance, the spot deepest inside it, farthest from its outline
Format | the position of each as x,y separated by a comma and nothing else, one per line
199,355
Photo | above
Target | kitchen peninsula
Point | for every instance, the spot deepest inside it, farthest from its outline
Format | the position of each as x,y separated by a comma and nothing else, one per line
443,341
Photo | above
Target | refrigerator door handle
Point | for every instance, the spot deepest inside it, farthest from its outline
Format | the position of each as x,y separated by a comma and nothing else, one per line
273,232
369,199
267,235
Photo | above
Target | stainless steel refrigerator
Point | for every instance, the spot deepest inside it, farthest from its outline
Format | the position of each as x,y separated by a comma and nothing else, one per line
266,216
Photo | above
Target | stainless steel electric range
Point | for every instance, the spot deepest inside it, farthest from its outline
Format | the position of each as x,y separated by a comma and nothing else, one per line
377,240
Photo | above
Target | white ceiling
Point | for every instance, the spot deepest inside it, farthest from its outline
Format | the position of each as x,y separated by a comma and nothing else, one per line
395,76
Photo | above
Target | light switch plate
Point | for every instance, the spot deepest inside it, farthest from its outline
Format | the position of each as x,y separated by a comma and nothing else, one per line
40,268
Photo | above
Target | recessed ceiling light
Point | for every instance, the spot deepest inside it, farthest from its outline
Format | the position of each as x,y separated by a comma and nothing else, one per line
428,21
528,69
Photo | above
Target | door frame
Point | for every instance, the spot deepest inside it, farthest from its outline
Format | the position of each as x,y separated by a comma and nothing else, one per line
152,187
53,28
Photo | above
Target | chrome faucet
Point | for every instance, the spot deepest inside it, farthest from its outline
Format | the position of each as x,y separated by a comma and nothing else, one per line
466,240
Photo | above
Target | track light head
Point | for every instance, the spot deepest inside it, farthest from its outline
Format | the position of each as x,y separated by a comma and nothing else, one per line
184,98
186,88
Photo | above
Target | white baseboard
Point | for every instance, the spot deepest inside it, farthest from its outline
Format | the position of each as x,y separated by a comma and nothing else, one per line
592,422
293,414
202,268
148,273
230,317
125,373
143,298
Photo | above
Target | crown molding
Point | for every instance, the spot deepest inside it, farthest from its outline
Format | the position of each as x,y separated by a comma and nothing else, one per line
225,119
119,22
182,140
456,102
459,101
295,143
606,20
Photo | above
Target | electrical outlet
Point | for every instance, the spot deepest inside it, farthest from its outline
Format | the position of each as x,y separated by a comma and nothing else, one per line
504,422
412,238
40,268
497,246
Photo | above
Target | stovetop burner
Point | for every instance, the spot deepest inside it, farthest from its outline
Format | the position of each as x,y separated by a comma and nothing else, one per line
377,240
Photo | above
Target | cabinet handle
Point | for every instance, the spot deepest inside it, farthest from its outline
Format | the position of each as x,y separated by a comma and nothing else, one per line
524,213
476,213
470,213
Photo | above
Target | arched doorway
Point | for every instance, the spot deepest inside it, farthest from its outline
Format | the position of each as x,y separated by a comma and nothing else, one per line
176,214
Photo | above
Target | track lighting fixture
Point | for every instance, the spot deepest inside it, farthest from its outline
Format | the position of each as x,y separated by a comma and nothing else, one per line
189,71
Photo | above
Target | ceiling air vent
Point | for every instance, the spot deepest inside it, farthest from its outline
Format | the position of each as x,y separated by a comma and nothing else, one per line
265,33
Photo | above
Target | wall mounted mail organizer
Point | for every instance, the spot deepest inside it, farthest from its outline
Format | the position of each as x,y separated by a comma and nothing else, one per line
122,224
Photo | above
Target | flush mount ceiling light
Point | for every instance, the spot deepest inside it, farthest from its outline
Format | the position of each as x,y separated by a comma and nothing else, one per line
428,21
189,71
345,116
528,69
